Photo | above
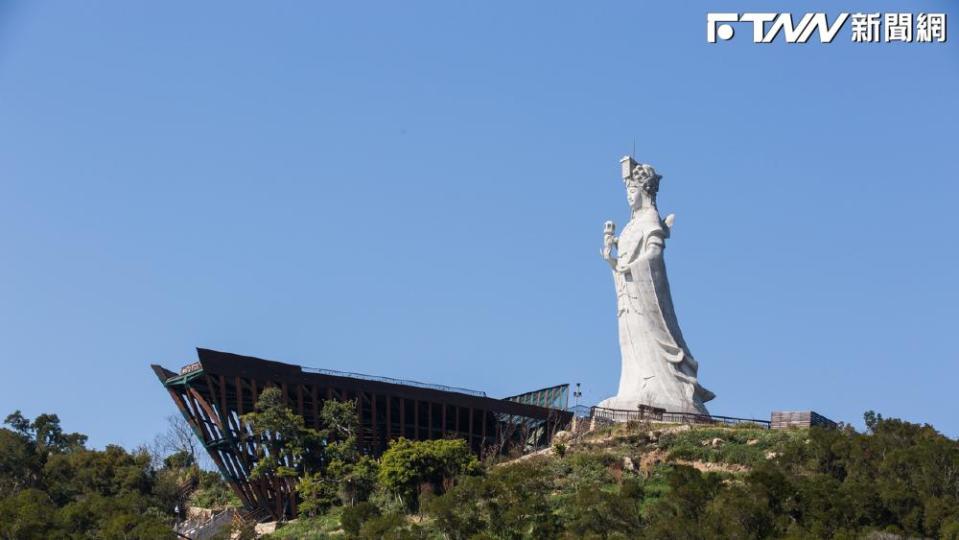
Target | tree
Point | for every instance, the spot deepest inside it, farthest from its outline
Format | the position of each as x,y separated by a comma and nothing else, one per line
354,517
51,438
356,479
45,432
340,418
461,512
341,470
354,474
677,514
27,515
178,460
59,489
20,465
26,447
509,502
317,493
178,438
284,440
595,512
286,448
408,464
19,424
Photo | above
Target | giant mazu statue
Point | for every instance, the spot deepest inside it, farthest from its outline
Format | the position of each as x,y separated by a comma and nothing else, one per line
657,368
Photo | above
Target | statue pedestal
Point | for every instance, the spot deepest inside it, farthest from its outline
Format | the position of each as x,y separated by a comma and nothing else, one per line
650,413
621,404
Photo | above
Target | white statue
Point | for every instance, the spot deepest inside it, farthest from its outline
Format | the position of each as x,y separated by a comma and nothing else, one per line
657,368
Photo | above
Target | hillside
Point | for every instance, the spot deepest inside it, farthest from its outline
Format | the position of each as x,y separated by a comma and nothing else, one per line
895,480
680,481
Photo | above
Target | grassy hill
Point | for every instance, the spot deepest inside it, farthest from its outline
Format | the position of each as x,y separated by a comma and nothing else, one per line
678,481
656,481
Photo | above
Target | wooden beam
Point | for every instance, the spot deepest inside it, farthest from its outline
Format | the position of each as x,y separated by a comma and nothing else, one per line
299,399
484,428
389,418
359,408
239,396
376,442
471,427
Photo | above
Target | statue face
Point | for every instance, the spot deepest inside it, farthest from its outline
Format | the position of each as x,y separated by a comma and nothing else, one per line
641,187
633,197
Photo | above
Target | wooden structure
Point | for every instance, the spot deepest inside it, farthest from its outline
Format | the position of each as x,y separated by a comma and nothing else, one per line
805,419
214,393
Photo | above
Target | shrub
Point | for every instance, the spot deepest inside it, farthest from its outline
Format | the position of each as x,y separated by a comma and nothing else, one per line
353,517
512,501
317,493
390,527
407,464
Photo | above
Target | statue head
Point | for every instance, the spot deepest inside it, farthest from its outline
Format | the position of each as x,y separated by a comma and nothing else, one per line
641,181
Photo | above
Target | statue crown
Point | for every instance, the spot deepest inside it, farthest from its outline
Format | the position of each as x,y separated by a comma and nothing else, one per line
640,175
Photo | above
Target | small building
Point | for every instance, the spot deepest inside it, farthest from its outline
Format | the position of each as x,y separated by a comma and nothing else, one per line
805,419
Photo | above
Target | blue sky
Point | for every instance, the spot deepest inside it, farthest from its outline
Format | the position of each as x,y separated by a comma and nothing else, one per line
418,190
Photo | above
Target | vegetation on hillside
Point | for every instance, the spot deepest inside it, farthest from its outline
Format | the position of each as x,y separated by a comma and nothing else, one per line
51,486
624,481
671,482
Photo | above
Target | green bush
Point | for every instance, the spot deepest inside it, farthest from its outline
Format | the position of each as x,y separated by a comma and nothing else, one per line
353,517
407,465
391,527
512,501
54,487
321,527
214,493
595,512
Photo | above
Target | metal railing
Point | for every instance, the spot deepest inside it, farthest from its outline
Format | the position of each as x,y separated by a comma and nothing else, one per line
391,380
581,411
603,414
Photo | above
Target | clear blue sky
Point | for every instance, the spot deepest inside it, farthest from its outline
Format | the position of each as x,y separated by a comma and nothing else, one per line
418,190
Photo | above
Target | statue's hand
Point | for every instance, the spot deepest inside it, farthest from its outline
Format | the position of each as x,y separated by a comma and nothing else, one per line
609,242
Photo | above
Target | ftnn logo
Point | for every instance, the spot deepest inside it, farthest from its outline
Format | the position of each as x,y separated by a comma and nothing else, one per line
766,26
